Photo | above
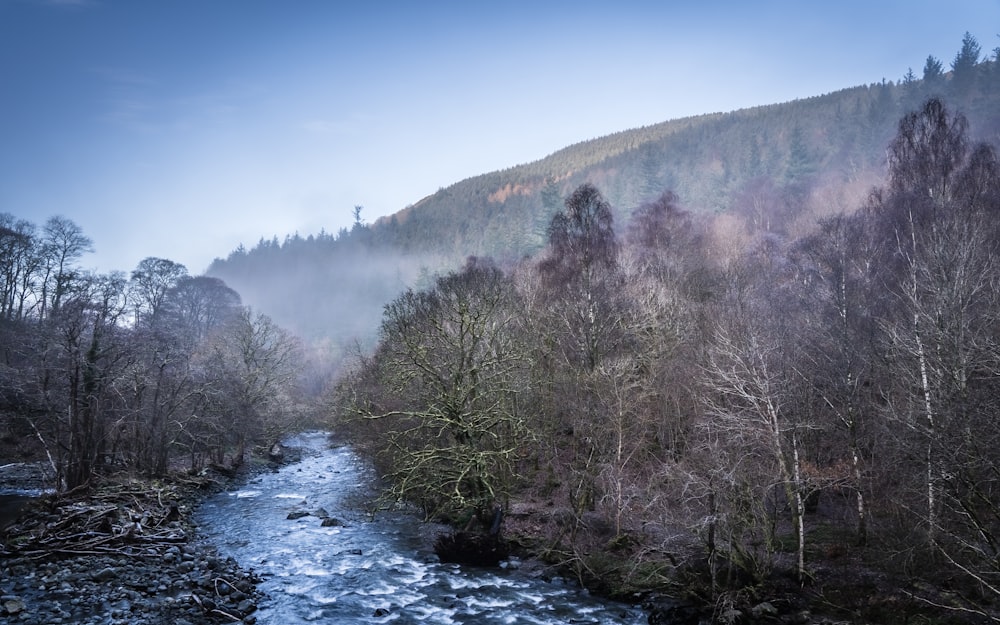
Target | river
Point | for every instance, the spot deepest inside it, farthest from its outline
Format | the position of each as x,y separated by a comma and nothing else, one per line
370,570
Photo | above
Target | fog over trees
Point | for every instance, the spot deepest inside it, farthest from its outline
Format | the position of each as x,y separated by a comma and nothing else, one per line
684,397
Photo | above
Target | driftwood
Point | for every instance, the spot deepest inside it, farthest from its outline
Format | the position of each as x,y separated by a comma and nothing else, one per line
131,519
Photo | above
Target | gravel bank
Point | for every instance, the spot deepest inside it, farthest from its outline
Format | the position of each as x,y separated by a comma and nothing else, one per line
127,553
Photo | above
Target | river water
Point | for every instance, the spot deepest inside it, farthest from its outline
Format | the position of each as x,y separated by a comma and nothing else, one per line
368,570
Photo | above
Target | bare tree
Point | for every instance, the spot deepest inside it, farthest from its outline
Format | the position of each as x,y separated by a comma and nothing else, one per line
19,265
939,277
753,392
63,243
839,348
151,282
580,273
248,372
446,399
91,357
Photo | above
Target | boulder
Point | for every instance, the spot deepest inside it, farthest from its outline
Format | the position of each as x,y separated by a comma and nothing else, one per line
276,453
471,548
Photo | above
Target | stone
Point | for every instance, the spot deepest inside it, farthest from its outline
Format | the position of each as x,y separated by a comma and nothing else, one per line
246,607
763,609
332,522
380,612
297,514
13,606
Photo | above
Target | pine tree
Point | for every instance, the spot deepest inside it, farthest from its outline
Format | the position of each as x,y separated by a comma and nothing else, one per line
933,73
964,65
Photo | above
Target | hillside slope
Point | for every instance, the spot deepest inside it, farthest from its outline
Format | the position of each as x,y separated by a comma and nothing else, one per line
776,166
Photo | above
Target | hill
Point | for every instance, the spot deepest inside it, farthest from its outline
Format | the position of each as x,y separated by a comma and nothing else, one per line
777,167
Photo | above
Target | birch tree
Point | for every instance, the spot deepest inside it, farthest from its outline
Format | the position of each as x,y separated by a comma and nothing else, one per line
753,397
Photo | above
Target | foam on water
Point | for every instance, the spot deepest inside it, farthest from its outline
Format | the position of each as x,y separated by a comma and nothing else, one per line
344,574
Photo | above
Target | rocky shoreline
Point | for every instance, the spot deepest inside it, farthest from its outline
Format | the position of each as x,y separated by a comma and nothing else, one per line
126,553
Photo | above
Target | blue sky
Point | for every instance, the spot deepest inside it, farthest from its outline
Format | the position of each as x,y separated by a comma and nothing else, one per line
182,128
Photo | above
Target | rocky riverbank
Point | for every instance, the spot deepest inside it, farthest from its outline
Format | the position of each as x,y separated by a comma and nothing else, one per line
125,553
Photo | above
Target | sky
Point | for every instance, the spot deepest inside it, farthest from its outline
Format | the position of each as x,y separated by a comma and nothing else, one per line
181,129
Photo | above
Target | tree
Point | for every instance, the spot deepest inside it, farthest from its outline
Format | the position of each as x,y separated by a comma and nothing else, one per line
92,354
659,227
965,65
448,377
939,331
933,73
19,265
993,71
753,394
248,371
800,162
650,183
579,270
840,343
581,237
152,279
62,244
200,306
926,154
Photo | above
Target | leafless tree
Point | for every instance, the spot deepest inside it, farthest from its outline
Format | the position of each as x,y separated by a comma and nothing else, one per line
447,394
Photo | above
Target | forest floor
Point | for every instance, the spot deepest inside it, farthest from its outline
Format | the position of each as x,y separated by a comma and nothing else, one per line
844,583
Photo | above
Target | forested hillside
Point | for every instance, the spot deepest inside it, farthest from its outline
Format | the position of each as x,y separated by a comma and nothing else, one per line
758,422
776,167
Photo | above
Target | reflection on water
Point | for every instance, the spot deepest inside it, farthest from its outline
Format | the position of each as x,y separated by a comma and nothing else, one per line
369,571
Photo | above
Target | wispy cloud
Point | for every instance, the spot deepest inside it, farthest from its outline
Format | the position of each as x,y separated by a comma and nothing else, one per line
127,96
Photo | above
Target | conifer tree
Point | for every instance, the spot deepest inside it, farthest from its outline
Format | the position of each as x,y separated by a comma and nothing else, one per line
964,65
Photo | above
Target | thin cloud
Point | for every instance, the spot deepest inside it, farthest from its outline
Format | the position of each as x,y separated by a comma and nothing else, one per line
127,99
